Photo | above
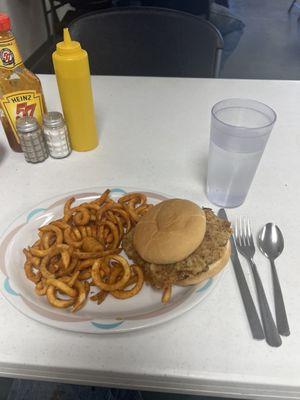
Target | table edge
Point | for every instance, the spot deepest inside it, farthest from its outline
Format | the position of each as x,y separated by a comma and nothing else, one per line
152,383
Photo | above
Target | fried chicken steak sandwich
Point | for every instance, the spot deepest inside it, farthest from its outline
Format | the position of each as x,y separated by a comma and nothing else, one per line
179,243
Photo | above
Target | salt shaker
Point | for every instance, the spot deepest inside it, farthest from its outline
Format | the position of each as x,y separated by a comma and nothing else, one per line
31,139
56,135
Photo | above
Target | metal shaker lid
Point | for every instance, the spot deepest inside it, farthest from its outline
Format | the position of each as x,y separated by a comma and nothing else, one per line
27,124
53,119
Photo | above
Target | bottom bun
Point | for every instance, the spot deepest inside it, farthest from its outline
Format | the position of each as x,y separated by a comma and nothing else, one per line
214,268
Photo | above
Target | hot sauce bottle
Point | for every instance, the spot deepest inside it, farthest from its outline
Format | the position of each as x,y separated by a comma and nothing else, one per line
20,90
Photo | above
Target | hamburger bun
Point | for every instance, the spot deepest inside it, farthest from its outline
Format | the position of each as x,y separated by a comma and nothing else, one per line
170,231
214,269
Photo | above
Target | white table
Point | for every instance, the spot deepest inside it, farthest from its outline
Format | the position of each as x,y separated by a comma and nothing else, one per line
154,134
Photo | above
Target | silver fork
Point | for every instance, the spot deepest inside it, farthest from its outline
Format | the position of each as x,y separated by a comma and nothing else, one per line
245,245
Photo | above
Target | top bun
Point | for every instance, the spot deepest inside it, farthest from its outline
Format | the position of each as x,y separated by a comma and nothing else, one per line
170,231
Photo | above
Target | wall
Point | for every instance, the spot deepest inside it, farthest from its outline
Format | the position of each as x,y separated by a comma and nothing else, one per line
28,23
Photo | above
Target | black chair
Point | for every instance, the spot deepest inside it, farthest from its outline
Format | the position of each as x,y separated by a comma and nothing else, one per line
80,7
146,41
294,2
196,7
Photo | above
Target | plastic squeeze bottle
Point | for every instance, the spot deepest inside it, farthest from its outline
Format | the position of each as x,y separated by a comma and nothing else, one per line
72,71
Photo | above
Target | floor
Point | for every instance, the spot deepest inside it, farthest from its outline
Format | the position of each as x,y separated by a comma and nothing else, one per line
5,385
46,392
276,57
267,23
270,45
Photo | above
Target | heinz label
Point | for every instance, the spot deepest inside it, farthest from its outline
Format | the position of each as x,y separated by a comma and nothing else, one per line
21,104
10,57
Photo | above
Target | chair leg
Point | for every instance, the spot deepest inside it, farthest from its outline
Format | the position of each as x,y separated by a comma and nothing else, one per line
55,20
291,6
46,19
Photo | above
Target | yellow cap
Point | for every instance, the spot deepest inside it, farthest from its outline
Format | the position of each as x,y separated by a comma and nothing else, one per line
68,45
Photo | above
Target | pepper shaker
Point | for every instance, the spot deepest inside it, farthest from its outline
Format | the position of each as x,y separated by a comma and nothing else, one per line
56,135
32,140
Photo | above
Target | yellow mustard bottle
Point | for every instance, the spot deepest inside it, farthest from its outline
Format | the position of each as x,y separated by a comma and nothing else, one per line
72,72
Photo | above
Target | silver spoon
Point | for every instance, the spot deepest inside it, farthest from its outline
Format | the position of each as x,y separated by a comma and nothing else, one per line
271,244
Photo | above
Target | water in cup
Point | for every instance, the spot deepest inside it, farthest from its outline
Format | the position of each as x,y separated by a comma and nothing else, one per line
240,129
230,175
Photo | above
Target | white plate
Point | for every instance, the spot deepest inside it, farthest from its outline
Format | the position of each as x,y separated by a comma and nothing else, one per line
113,315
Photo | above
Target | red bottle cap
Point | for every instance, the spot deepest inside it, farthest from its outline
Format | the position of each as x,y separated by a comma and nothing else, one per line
4,22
